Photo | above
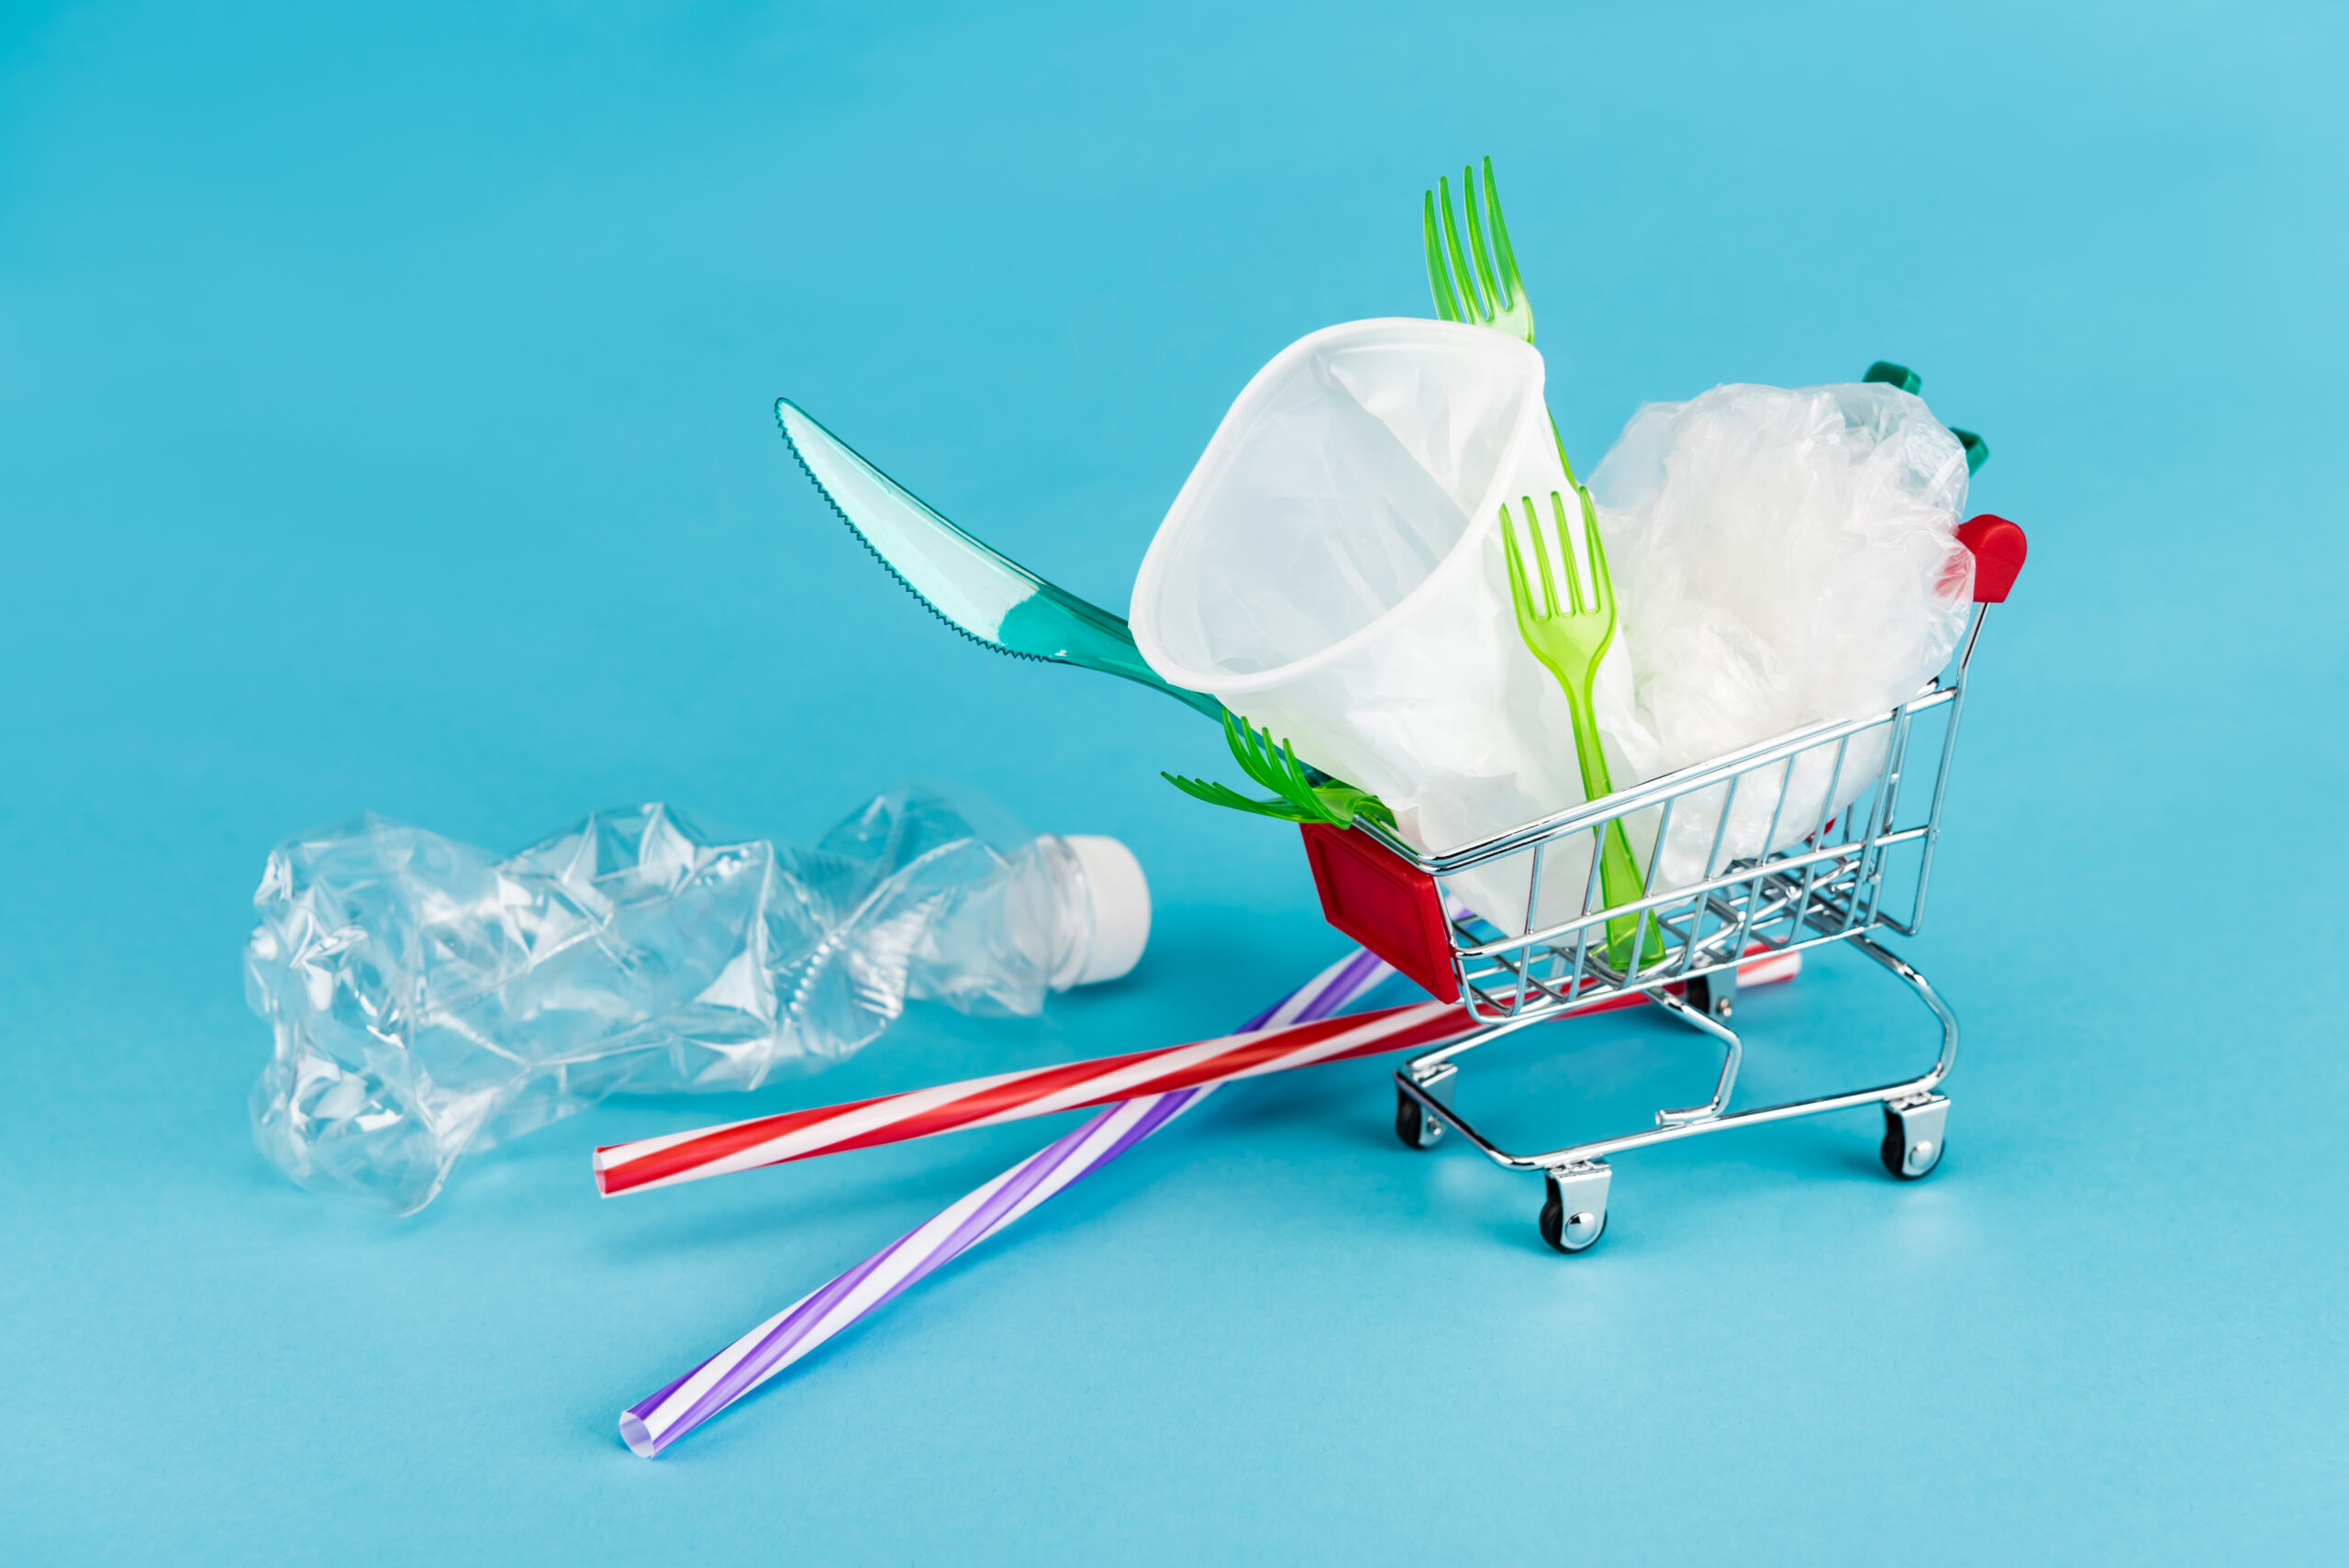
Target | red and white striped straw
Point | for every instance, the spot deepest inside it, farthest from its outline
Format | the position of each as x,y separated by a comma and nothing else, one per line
1042,1091
1012,1096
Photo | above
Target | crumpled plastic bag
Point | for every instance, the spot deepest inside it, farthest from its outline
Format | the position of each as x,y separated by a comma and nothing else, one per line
1781,557
1332,570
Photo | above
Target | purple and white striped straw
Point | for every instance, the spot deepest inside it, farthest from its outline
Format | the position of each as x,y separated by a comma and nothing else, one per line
652,1425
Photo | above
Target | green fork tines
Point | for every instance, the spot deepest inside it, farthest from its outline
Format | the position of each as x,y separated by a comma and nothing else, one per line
1490,293
1298,795
1455,281
1570,636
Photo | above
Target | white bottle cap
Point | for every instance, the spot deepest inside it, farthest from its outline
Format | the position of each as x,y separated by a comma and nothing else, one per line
1120,897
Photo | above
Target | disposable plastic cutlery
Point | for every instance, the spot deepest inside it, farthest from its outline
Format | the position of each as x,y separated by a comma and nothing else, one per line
1302,794
1487,291
1482,287
999,604
1570,637
978,591
1501,304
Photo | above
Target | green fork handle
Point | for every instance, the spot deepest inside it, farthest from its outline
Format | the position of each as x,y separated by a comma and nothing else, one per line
1620,878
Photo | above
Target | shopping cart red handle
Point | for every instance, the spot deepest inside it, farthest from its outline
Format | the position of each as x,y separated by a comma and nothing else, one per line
1998,549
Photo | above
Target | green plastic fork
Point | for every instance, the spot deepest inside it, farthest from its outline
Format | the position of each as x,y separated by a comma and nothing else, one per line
1501,304
1570,637
1480,286
1299,793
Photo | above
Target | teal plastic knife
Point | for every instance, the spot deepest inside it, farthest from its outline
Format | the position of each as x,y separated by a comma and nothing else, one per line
989,599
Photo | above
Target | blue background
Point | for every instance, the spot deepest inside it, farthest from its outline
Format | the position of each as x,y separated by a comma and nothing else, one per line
385,424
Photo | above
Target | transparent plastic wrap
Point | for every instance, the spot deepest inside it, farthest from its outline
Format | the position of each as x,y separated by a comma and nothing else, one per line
1782,557
1333,568
429,999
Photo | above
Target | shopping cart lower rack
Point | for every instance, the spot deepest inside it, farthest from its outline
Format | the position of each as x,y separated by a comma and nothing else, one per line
1824,835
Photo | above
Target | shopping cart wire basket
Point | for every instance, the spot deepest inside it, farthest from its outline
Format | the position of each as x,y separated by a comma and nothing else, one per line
1823,835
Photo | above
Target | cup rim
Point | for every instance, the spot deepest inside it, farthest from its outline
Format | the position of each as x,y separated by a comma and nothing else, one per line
1244,408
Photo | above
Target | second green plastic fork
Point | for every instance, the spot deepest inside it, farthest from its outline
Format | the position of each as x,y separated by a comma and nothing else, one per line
1481,286
1570,636
1500,303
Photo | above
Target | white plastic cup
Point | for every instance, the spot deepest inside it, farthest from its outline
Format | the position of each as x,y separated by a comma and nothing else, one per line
1333,570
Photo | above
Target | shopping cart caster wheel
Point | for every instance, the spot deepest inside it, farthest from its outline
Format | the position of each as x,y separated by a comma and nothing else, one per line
1914,1140
1573,1214
1418,1126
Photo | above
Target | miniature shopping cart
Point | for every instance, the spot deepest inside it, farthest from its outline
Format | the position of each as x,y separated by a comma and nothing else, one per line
1823,835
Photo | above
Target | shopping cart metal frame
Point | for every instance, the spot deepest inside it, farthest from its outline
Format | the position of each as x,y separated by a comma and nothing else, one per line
1860,868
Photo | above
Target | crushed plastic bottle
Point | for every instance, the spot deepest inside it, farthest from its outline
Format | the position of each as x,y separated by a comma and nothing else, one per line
429,999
